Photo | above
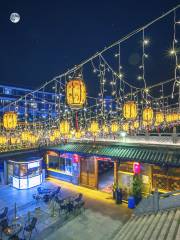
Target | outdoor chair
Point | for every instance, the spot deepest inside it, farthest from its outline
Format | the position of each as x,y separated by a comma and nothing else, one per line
41,190
63,208
3,214
30,227
3,225
79,197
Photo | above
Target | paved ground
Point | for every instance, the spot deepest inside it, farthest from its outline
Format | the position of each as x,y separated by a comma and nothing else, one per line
102,218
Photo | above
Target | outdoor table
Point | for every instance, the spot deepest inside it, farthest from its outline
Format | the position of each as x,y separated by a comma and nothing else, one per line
13,230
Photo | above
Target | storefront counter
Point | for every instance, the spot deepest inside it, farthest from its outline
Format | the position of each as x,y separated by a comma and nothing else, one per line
25,174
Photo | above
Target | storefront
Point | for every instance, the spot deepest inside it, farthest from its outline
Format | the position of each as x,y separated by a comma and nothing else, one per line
24,174
64,166
157,166
165,179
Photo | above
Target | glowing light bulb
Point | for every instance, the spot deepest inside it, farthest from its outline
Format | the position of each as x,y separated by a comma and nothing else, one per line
172,52
146,41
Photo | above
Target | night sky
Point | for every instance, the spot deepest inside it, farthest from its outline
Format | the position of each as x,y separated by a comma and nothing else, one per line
53,36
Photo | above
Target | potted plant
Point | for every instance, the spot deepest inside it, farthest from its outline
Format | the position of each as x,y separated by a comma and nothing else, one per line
137,188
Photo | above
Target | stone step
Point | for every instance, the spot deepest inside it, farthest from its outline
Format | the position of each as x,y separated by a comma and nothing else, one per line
178,233
151,228
131,229
139,227
166,225
159,226
145,227
125,228
174,226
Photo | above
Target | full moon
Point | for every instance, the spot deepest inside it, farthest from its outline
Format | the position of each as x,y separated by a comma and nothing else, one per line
15,17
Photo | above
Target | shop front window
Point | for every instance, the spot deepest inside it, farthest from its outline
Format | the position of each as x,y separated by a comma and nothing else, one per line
61,164
23,170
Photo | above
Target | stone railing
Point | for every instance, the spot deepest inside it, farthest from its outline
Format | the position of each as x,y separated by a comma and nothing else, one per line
158,202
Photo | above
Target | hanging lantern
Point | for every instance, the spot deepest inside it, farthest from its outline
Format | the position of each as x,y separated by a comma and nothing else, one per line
169,118
52,138
64,127
159,118
136,168
56,133
130,110
145,124
13,140
125,127
24,135
114,127
32,138
175,117
10,120
3,140
76,93
105,129
69,135
78,134
94,127
136,125
148,115
83,133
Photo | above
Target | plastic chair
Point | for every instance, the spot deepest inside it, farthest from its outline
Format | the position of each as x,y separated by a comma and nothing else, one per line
4,213
30,227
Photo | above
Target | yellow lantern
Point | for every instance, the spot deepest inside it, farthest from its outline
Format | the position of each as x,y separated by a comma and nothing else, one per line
3,140
77,134
148,115
76,93
114,127
24,135
130,110
13,140
52,138
56,133
32,138
175,117
145,124
10,120
64,127
159,118
94,127
136,124
69,135
125,127
169,118
105,129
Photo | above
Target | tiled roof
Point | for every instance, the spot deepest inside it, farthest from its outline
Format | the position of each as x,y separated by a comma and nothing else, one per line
144,154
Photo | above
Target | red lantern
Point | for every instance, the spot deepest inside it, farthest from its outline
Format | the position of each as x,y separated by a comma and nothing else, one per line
136,168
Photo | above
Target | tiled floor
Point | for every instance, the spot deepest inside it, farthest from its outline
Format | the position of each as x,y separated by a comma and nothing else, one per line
100,211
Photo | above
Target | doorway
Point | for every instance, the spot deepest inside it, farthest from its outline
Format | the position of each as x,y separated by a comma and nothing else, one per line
105,175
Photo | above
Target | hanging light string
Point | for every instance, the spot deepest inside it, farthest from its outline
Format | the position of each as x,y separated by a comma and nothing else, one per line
123,39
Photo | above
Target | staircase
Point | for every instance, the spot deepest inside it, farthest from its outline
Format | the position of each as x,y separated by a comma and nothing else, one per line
164,225
158,202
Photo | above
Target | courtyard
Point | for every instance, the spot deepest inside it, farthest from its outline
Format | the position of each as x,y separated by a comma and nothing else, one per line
101,219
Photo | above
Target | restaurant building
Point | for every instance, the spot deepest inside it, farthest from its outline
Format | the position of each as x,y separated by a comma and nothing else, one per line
158,165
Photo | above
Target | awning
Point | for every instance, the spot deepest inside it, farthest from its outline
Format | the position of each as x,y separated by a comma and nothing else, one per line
152,155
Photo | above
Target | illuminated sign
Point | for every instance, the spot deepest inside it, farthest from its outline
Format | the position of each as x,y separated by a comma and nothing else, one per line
33,164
